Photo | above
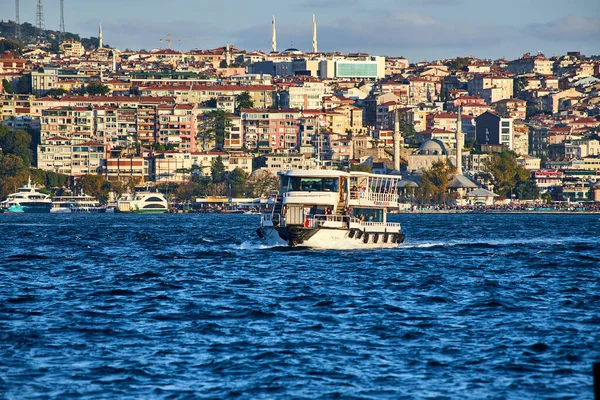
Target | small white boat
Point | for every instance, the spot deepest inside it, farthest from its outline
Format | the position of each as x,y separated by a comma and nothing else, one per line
333,210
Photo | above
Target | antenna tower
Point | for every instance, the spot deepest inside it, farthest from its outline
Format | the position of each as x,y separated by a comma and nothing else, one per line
17,22
39,16
61,27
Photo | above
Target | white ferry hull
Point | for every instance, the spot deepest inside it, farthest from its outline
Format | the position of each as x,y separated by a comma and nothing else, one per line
335,239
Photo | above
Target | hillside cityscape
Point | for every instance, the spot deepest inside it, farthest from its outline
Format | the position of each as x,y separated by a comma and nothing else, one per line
78,115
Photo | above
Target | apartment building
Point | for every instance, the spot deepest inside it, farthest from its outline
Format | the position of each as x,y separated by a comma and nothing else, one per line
177,126
270,130
303,96
491,129
116,127
529,64
491,88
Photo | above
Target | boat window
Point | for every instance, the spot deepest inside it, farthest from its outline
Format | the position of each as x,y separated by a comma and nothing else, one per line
298,184
154,206
368,214
155,199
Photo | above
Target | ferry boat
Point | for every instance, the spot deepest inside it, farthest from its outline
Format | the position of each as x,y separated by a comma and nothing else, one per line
332,210
143,203
28,199
77,204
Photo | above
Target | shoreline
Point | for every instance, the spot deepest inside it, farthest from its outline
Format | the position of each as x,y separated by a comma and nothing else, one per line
497,212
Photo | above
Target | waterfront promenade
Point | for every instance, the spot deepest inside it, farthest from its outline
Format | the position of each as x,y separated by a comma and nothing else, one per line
508,209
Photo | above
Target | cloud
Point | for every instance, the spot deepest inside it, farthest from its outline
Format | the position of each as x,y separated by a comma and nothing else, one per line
390,33
138,33
414,18
327,3
566,29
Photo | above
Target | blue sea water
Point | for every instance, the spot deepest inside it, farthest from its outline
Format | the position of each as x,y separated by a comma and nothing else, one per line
195,306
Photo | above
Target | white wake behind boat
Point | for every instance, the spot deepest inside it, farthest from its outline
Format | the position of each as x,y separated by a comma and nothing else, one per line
332,210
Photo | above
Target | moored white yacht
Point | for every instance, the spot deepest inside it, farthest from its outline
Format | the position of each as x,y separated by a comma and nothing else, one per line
143,203
77,204
28,199
333,210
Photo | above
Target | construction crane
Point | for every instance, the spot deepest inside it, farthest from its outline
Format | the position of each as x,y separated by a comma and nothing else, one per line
169,39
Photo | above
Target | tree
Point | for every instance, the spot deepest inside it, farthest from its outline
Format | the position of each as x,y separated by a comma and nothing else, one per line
56,93
13,173
94,185
243,100
364,167
434,187
215,124
7,86
217,170
506,173
97,89
16,142
210,103
12,46
261,183
24,84
236,182
519,84
407,128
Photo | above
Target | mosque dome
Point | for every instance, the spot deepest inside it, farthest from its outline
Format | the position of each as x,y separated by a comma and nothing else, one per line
432,147
292,50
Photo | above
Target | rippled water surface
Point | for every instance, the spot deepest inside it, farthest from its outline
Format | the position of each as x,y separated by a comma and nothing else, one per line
194,306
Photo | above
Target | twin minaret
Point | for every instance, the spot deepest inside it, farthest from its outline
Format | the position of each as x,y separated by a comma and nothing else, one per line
315,48
100,36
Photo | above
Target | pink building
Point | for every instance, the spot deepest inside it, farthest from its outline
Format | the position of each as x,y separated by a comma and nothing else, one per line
270,130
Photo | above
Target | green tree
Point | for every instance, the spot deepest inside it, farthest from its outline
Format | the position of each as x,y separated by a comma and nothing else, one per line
13,173
210,103
261,183
56,93
518,85
364,167
7,86
237,182
215,124
434,185
94,185
16,142
243,100
407,128
217,170
97,89
24,84
506,173
12,46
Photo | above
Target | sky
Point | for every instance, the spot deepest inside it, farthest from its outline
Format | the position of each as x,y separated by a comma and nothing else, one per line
420,30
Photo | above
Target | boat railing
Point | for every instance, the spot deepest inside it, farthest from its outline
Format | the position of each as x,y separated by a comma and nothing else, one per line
335,218
381,224
372,196
268,219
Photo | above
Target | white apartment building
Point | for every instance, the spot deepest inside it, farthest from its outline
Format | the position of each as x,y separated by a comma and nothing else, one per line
305,96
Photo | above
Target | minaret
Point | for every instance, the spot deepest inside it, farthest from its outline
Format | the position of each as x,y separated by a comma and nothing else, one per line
273,36
227,55
397,141
460,142
100,36
314,32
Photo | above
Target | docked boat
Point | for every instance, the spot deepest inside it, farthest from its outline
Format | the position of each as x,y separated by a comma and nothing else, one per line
28,199
77,204
332,210
143,203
